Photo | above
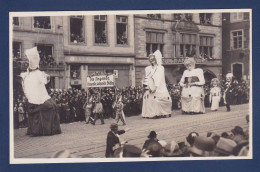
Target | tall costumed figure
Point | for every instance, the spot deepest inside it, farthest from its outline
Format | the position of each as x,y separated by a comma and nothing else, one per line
43,117
192,96
156,99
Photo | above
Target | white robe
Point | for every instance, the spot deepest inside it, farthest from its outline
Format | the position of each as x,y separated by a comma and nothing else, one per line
158,103
215,95
192,97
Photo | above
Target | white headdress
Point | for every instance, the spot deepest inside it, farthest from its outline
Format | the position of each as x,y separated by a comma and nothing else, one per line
229,75
158,57
33,56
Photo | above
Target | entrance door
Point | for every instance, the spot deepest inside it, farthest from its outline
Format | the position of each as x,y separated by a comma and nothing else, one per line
238,70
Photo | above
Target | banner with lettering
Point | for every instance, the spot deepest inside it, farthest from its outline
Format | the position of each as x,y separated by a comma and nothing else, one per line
101,81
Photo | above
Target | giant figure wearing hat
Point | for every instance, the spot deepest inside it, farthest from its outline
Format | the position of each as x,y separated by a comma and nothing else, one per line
43,117
192,81
156,99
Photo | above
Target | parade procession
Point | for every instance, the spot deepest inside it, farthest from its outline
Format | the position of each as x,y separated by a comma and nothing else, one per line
131,85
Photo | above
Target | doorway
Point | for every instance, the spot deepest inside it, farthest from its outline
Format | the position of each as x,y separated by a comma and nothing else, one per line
237,70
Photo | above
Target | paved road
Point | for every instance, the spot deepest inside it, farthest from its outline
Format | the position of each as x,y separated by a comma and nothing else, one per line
81,138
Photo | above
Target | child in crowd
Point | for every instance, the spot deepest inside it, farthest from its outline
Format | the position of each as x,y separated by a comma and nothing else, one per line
215,94
118,107
98,111
21,114
88,106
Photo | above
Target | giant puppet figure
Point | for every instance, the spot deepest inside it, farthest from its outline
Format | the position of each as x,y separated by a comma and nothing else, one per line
156,99
43,118
192,96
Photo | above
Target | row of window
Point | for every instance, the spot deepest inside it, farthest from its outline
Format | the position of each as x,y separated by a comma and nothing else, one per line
154,41
187,47
77,34
205,18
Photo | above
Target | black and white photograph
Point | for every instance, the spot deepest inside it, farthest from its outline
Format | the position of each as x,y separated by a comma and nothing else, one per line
144,85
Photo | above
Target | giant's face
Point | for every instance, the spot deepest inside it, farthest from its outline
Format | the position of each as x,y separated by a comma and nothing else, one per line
152,59
190,66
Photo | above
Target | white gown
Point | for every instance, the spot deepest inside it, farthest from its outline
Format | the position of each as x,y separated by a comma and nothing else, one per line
215,95
158,103
192,97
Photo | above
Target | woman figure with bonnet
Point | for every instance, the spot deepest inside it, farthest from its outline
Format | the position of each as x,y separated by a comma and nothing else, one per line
156,99
192,96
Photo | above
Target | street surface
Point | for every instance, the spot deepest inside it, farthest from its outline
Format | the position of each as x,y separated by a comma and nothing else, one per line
81,138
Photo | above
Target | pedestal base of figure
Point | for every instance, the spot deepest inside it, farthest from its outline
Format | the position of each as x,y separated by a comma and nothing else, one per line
192,105
43,120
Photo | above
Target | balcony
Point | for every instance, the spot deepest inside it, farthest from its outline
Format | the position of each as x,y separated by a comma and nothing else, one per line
48,67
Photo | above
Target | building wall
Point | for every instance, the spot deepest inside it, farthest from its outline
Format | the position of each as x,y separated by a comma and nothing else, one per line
95,57
171,37
30,37
230,55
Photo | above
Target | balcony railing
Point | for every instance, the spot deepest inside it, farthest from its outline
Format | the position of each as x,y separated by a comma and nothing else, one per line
49,67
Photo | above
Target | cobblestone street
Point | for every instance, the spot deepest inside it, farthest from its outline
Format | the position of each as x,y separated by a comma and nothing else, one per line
81,138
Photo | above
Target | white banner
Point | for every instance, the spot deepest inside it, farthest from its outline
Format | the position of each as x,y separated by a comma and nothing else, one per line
101,81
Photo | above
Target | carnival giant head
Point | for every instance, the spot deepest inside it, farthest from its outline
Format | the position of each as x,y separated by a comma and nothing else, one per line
189,63
33,57
155,58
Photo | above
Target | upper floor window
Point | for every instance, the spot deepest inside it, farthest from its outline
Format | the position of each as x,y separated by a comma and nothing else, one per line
205,18
182,16
236,17
77,29
206,47
46,54
154,41
100,24
187,45
42,22
154,16
236,39
121,29
75,71
16,21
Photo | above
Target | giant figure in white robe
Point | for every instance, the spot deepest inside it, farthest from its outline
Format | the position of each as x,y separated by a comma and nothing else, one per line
156,99
192,81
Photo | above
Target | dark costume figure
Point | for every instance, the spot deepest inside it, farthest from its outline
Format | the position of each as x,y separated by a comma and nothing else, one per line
43,117
113,141
228,91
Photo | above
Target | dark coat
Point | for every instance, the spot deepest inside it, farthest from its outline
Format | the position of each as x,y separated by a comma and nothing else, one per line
112,140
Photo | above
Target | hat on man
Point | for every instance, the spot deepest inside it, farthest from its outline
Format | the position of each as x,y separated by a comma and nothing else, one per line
114,126
33,56
202,146
152,135
131,151
237,130
225,146
190,138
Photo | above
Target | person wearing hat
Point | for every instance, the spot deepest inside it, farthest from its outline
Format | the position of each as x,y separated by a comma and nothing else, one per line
192,82
203,146
228,93
156,99
151,139
224,147
113,141
42,110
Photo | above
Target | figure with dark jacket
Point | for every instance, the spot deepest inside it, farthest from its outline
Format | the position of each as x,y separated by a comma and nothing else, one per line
113,141
228,92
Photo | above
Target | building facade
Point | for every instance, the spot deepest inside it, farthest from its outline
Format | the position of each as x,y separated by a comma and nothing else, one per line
236,44
178,36
99,43
46,33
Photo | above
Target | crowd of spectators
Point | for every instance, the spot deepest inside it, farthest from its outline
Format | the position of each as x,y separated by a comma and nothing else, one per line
70,101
